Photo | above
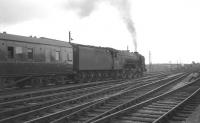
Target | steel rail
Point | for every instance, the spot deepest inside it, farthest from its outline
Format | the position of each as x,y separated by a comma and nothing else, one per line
152,109
111,104
77,101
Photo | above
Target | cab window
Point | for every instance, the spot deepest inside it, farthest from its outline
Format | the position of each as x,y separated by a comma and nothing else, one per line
10,52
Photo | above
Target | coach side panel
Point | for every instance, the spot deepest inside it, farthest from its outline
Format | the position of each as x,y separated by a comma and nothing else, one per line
28,58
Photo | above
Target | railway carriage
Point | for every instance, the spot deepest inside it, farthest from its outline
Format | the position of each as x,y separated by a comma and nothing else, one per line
30,56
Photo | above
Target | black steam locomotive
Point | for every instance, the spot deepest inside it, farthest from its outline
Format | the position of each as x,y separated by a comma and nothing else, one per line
35,61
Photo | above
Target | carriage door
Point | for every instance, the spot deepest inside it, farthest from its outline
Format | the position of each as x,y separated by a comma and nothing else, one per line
47,55
116,61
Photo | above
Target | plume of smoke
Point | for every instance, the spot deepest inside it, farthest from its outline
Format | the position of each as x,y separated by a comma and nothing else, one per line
86,7
125,12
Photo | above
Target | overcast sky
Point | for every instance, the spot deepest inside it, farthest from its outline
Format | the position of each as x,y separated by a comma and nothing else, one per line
170,29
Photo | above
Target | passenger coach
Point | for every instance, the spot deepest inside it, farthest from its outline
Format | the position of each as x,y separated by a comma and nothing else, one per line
22,56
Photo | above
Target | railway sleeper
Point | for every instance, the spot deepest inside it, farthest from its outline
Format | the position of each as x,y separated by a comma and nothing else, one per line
145,115
136,119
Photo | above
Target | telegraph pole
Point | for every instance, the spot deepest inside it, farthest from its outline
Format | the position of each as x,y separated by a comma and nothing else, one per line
70,38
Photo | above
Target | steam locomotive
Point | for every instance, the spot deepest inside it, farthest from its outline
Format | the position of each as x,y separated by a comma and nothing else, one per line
42,61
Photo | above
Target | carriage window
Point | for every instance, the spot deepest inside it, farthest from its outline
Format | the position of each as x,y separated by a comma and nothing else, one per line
57,55
30,53
18,50
69,56
11,52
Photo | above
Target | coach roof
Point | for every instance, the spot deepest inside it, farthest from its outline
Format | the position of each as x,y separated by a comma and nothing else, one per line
41,40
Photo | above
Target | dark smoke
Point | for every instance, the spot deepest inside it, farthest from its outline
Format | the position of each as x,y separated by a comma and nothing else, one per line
85,7
125,11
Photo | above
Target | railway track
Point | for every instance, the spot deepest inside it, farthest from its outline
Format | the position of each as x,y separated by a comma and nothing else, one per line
61,92
181,111
24,91
8,91
68,86
109,105
40,92
157,109
13,107
70,105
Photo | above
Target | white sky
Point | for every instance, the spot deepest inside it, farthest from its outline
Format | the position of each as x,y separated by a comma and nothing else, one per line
170,29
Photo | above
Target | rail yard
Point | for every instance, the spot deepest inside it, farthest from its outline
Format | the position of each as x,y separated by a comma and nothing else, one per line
99,61
50,81
72,83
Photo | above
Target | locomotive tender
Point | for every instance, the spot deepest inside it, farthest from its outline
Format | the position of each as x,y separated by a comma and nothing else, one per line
35,61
